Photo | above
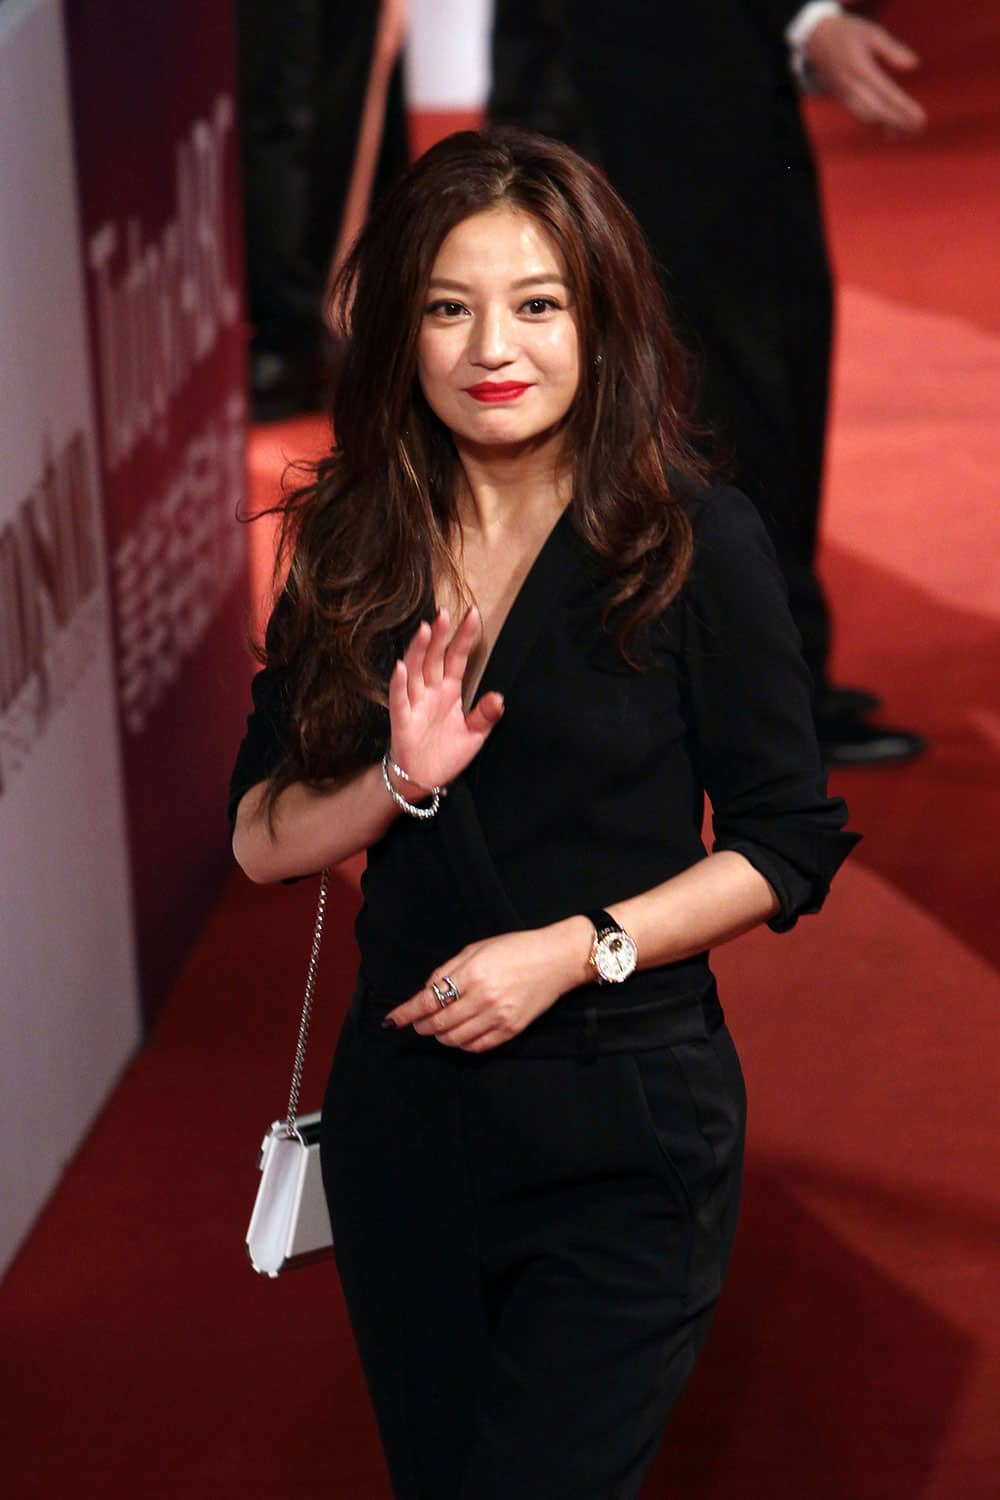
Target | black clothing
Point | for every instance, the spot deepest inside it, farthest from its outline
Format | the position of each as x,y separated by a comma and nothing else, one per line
303,74
693,113
532,1240
530,1251
590,789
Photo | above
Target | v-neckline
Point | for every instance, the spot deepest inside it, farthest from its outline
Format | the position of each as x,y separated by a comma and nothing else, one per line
526,610
558,564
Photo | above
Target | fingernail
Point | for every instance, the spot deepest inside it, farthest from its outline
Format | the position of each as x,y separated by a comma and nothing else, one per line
388,1024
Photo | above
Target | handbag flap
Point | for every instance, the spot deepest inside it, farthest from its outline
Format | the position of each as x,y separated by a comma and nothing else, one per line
289,1221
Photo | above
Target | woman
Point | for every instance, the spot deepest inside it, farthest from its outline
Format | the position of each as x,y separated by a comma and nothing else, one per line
520,639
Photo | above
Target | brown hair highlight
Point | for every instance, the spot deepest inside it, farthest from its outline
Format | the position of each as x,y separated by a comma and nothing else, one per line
364,539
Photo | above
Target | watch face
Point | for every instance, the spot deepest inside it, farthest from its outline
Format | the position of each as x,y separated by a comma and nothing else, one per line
615,957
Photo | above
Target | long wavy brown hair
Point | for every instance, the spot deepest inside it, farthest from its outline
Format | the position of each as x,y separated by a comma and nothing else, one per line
365,539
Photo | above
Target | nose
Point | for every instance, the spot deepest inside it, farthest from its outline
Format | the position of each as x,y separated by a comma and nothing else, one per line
493,344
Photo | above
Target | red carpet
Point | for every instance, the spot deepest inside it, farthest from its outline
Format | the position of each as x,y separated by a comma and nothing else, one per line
855,1355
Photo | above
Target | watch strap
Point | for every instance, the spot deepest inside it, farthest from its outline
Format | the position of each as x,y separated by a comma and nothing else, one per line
603,922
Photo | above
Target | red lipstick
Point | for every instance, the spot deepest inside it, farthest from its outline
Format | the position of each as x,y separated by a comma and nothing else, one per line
497,390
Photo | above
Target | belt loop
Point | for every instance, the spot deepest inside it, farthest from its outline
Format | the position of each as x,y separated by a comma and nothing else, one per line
588,1035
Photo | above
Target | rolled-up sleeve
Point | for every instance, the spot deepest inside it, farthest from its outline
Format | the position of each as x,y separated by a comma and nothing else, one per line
268,725
750,715
263,743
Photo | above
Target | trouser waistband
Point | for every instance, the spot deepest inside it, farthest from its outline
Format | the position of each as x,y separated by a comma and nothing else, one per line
583,1030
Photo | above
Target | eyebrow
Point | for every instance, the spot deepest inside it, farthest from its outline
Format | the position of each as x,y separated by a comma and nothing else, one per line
515,286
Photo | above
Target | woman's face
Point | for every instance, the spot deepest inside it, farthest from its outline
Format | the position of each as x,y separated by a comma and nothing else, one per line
498,350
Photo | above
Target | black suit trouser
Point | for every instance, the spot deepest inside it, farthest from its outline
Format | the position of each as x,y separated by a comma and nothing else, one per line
531,1250
304,67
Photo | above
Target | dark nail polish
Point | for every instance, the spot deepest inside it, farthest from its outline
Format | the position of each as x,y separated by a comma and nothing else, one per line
388,1024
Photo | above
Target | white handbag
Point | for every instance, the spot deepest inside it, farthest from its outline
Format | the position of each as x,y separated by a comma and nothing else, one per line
290,1226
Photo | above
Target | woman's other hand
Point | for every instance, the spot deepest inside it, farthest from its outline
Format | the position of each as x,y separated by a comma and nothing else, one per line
432,737
502,985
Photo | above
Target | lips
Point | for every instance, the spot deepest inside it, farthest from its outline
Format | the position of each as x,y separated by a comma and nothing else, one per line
495,391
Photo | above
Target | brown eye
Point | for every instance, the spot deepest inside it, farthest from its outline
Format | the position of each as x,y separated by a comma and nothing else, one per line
446,309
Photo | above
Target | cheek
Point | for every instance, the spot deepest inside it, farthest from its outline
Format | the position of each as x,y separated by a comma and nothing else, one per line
425,362
562,354
429,378
563,357
435,364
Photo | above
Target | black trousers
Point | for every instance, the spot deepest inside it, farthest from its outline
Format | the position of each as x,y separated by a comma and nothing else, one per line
694,116
303,67
531,1249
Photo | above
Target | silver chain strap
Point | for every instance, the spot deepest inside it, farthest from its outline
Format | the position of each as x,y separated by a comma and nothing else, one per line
307,1003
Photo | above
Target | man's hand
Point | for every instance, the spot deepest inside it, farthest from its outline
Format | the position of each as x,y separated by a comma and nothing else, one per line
850,57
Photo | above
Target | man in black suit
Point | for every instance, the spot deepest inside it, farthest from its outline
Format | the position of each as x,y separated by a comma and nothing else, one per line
303,72
693,110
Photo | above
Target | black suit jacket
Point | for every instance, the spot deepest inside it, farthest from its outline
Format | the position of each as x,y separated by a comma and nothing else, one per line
692,110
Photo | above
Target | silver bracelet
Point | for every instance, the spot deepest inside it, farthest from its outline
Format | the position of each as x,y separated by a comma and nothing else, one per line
400,801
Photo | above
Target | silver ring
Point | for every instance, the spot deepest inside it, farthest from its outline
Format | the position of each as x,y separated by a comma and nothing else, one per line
451,989
439,995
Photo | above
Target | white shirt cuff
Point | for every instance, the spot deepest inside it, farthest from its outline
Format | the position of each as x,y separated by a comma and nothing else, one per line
804,22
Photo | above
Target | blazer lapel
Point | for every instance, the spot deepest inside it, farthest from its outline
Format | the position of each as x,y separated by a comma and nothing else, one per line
562,560
474,876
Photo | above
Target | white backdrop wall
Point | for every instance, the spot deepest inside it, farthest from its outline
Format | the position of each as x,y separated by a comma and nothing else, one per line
69,1013
447,55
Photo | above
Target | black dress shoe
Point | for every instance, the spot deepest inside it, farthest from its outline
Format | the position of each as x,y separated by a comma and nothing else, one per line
832,702
846,740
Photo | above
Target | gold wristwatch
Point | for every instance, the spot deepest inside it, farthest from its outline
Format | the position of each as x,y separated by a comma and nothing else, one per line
614,954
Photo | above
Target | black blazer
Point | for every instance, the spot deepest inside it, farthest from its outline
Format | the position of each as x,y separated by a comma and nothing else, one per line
591,787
